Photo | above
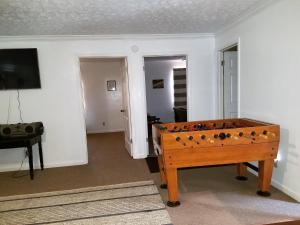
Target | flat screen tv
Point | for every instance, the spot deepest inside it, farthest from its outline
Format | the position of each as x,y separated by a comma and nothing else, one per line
19,69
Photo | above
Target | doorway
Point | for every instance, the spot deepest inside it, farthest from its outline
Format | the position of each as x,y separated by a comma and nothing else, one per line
229,84
104,84
166,91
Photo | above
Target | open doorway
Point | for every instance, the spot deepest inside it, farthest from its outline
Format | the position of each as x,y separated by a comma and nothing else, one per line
106,106
229,84
166,91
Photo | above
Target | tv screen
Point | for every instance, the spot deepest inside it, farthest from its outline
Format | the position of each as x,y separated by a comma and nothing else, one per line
19,69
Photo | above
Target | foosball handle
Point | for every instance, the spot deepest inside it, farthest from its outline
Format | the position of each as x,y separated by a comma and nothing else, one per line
173,204
264,193
178,139
191,138
241,178
163,186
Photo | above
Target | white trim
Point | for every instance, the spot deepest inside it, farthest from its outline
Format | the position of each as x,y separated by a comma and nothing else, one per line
102,55
220,84
104,131
139,156
66,163
239,76
286,190
188,89
172,53
36,166
81,105
220,76
280,187
105,37
125,71
162,54
81,100
246,15
145,114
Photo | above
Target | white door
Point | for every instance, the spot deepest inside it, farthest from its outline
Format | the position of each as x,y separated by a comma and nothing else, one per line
230,85
126,108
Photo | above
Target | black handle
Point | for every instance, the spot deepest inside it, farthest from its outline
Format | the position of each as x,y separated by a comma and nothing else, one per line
222,136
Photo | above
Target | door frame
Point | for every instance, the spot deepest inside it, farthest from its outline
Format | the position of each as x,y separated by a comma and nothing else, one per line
221,77
81,99
130,151
187,81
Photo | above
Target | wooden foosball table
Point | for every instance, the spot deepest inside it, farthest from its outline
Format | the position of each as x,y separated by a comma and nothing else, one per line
215,142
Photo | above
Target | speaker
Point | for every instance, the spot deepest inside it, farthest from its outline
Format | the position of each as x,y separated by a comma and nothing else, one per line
21,130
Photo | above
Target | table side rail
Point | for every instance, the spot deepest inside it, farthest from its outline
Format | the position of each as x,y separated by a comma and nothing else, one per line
180,158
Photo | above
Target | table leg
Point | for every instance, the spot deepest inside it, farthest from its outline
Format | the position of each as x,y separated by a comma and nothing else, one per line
265,176
242,172
171,175
41,155
29,148
162,172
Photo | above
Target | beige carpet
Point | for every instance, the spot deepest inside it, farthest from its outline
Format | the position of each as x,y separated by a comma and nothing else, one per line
131,203
212,196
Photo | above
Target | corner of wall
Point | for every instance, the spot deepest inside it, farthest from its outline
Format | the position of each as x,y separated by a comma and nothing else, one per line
139,156
286,190
280,187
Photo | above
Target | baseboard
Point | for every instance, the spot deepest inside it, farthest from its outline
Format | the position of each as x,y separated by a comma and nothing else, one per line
139,156
281,187
65,164
104,131
16,166
286,190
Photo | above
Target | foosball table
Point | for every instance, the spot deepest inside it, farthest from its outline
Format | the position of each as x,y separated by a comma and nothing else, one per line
215,142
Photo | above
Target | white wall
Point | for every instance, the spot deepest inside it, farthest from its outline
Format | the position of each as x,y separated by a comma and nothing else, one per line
160,102
102,107
59,103
270,78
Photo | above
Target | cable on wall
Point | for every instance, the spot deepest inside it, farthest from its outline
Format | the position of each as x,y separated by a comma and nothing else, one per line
8,108
15,174
19,106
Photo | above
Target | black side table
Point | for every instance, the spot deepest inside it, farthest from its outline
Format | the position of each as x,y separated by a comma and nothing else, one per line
27,142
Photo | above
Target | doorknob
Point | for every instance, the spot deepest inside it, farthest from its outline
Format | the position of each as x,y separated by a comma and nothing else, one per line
122,110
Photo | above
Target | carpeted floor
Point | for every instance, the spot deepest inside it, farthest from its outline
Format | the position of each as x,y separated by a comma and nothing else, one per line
134,203
209,196
109,163
295,222
212,196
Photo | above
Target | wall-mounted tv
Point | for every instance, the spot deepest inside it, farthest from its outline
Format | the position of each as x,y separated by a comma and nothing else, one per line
19,69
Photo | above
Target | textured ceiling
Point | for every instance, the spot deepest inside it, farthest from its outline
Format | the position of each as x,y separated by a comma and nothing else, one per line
102,17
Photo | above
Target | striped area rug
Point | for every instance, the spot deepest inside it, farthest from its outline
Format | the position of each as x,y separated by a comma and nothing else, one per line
135,203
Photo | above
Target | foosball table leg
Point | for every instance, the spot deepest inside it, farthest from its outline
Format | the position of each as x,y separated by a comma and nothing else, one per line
162,173
265,176
171,175
242,172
